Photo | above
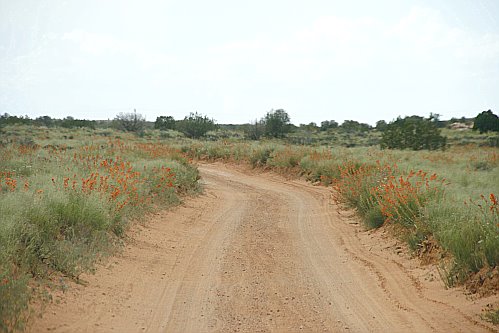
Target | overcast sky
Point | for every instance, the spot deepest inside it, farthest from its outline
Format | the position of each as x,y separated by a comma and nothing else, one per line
235,60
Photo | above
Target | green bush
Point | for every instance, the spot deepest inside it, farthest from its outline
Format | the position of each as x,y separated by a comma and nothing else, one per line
486,121
196,125
470,233
276,123
61,234
414,133
260,155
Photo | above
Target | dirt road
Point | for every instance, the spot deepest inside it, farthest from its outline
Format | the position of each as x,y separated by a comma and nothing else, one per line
257,253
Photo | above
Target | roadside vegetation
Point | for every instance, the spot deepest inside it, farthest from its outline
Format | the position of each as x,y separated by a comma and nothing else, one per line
443,200
491,316
65,203
69,188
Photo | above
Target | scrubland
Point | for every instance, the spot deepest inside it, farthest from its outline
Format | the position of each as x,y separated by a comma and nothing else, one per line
67,198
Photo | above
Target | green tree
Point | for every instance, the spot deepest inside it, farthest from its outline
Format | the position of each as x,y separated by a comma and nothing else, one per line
164,123
414,133
486,121
327,124
310,127
44,121
277,123
196,125
381,125
130,121
354,126
70,122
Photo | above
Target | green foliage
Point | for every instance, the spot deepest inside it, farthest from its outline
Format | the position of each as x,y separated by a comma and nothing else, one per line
327,124
68,122
310,127
164,123
277,123
354,126
7,119
381,125
44,121
130,121
486,121
260,155
492,316
196,125
14,296
470,232
374,218
60,234
414,133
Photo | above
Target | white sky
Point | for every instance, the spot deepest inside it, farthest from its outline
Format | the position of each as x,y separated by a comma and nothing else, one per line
235,60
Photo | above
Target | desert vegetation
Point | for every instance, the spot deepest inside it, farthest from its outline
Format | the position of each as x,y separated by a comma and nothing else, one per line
69,189
65,203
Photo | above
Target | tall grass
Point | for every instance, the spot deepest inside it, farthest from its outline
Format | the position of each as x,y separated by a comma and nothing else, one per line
64,204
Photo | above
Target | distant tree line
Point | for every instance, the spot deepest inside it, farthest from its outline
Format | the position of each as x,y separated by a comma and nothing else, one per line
275,124
412,132
68,122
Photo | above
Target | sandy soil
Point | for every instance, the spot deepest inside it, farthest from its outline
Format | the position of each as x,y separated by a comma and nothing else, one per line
257,253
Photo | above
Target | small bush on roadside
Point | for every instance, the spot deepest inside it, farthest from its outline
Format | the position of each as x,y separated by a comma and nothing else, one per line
374,218
260,155
469,232
492,316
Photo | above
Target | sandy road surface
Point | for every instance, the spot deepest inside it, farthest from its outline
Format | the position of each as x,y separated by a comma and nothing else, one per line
256,253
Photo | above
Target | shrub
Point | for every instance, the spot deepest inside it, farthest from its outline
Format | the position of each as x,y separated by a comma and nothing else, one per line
469,232
492,316
164,123
277,123
376,191
196,126
130,122
60,234
260,155
414,133
486,121
286,158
